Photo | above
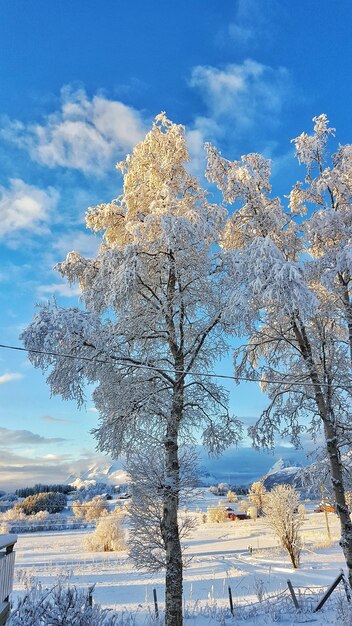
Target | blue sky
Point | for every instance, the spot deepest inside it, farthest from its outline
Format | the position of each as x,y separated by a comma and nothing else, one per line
80,82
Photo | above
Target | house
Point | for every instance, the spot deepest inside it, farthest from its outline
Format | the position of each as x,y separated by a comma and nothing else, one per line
233,515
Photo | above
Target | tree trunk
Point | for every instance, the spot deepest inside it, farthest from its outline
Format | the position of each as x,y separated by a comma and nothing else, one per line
323,402
174,577
339,495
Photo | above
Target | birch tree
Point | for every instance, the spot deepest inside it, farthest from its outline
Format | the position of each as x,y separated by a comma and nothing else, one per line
152,323
285,516
292,282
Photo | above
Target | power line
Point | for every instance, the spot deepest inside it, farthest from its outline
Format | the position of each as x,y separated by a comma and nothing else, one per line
126,361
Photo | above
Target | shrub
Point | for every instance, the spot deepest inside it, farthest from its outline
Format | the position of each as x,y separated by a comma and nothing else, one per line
64,606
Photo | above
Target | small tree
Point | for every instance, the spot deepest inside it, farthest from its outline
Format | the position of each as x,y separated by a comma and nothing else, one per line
147,546
252,511
222,488
231,496
257,495
90,510
217,514
285,516
109,535
244,505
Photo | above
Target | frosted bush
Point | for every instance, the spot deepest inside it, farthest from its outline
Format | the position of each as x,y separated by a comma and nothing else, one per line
109,535
61,606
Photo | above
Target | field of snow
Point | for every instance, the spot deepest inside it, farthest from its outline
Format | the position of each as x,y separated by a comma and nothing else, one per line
219,558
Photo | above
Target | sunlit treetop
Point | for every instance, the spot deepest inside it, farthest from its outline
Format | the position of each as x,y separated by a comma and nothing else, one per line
155,182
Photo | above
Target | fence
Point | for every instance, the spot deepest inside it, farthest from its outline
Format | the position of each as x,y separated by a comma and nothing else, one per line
7,566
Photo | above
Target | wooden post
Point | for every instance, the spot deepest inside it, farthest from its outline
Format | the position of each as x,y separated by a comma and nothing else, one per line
328,593
90,595
230,600
156,608
293,595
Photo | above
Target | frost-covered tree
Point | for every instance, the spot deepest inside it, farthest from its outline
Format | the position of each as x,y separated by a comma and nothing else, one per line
256,495
223,488
231,496
285,516
217,514
153,322
109,535
49,501
91,509
146,543
292,283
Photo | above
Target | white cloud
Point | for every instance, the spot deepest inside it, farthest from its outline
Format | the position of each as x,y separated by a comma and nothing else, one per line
253,22
25,207
62,289
7,378
50,418
85,134
244,93
240,101
10,437
85,244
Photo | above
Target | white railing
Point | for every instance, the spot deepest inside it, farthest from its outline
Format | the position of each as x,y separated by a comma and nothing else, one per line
7,568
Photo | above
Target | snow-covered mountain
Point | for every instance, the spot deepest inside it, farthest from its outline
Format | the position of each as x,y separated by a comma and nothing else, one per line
239,467
111,473
283,472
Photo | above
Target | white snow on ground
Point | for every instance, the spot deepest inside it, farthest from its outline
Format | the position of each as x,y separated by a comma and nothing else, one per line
220,558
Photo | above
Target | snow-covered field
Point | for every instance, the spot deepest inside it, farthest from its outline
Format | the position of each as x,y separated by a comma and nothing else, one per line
219,558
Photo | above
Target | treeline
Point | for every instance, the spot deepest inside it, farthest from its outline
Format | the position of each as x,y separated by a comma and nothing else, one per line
24,492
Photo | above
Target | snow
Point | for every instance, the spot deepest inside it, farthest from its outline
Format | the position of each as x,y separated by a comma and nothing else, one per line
219,558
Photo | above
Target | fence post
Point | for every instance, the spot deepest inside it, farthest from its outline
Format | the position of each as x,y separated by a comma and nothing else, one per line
90,595
230,600
155,603
328,593
293,595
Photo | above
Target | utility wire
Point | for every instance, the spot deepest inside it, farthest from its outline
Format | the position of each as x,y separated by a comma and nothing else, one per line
127,361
